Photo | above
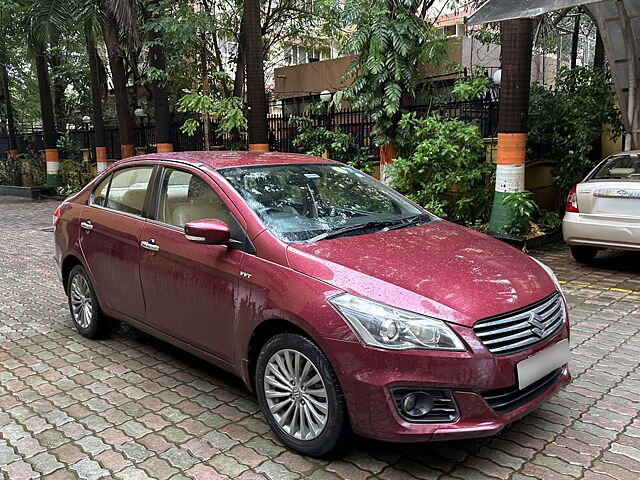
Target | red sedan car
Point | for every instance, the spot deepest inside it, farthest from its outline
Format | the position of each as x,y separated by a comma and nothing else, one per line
342,304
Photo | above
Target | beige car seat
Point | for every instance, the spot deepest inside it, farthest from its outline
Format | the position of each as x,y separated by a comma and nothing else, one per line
202,202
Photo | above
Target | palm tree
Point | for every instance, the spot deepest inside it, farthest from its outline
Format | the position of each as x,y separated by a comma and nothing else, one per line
159,91
8,106
110,32
89,14
516,38
6,23
45,20
256,97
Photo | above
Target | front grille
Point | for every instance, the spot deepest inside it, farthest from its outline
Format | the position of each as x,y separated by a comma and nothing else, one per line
504,400
522,329
444,408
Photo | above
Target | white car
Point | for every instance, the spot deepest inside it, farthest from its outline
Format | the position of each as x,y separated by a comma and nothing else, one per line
603,211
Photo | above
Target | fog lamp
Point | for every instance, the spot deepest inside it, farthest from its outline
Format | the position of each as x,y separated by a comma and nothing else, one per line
417,404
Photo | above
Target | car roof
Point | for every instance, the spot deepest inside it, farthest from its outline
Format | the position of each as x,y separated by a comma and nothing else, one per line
225,159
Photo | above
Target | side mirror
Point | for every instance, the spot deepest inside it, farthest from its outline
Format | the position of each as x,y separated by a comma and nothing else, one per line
208,231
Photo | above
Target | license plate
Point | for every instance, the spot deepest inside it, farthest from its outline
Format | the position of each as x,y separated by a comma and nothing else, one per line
545,361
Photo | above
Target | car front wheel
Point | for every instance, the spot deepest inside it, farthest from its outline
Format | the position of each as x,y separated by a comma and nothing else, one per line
300,396
83,303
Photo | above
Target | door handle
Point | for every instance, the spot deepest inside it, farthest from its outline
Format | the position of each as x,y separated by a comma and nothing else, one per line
150,245
87,225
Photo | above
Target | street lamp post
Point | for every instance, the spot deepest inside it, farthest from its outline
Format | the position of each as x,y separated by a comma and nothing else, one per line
141,115
86,154
325,97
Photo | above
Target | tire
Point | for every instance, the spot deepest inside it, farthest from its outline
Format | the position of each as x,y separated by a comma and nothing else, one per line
328,434
583,254
84,307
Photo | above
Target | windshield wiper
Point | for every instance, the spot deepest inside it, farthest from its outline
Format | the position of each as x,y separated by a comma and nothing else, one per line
352,228
410,221
384,224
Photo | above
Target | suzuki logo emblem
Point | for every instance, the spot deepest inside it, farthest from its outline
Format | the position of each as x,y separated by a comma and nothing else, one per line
537,327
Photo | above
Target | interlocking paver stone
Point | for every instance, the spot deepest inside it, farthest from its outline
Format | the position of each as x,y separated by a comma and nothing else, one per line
132,407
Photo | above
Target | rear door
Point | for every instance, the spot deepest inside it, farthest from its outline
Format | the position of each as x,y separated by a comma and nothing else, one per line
110,228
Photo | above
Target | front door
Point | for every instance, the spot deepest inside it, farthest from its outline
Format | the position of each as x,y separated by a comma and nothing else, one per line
110,228
189,288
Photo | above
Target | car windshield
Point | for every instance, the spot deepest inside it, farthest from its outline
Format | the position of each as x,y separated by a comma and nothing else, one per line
626,167
303,202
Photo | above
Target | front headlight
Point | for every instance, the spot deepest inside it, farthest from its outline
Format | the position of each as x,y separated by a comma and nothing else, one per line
383,326
550,273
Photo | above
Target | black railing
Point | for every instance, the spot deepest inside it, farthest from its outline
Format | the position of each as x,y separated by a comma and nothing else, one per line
282,132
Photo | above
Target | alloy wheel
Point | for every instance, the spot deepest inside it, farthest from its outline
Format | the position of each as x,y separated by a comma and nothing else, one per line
296,394
81,301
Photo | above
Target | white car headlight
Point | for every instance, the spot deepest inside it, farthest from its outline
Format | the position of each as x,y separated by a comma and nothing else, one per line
382,326
550,273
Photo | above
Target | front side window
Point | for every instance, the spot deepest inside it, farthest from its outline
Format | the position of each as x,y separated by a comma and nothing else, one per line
619,167
185,197
304,202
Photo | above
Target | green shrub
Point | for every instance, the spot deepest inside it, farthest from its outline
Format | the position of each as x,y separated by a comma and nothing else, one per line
72,177
521,211
472,88
440,166
565,123
340,146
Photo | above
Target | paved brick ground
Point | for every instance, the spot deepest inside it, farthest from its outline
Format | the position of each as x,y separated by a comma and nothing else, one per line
132,407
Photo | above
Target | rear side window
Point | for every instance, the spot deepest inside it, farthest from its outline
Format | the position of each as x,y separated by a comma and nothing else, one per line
126,190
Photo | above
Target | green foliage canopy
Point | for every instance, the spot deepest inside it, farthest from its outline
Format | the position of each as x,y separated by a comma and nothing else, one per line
392,45
441,167
565,123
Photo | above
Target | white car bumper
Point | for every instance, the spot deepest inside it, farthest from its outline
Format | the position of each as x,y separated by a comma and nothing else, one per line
596,231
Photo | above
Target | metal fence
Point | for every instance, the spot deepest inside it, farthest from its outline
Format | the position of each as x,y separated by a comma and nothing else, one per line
282,132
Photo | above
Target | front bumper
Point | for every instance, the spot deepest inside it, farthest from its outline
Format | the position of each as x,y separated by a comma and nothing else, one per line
368,375
598,231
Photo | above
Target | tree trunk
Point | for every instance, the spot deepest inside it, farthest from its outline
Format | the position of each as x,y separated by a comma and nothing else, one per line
162,114
517,44
57,83
48,120
118,75
256,96
96,99
11,126
599,57
574,42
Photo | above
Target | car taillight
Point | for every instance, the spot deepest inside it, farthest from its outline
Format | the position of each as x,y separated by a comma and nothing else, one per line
56,216
572,201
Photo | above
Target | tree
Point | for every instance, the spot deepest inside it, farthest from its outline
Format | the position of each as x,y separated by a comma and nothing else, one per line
45,20
87,11
517,43
110,32
5,22
256,96
393,44
157,73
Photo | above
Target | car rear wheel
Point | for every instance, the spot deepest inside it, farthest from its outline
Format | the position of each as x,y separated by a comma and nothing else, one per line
83,303
583,254
300,396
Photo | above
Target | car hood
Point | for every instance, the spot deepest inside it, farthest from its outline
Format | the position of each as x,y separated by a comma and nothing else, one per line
438,269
